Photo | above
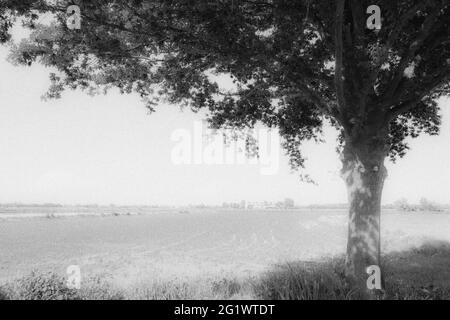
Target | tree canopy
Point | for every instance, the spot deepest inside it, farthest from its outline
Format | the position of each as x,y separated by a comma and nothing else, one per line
295,64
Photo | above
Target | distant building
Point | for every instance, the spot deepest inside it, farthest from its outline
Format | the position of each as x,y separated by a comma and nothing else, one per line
289,203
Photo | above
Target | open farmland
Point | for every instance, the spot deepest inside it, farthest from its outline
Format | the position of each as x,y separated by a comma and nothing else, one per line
168,245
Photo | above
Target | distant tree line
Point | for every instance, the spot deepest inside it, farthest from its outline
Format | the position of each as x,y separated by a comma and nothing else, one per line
288,203
424,205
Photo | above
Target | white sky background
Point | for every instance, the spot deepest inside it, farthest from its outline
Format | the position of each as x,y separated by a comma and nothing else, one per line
107,149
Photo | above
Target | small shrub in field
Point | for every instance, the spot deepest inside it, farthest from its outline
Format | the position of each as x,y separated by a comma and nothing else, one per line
43,286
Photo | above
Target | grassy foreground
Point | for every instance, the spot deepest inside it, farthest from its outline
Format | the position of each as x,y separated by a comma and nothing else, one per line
421,273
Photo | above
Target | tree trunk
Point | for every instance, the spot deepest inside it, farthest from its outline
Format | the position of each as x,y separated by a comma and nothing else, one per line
364,174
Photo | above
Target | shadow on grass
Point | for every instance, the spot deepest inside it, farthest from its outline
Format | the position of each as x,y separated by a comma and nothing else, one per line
420,274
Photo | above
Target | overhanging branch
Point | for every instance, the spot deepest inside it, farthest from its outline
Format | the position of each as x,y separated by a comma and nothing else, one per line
411,102
338,76
428,24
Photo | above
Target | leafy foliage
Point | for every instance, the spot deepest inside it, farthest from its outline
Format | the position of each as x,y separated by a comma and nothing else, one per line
293,64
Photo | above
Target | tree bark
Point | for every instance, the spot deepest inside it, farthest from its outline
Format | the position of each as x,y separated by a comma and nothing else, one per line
364,174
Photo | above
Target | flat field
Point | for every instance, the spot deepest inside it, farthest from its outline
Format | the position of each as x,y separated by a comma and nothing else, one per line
175,244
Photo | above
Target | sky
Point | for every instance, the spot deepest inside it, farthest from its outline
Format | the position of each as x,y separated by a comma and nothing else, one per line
110,150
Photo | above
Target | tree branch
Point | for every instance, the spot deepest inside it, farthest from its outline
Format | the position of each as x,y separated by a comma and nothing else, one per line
358,18
415,45
411,102
338,75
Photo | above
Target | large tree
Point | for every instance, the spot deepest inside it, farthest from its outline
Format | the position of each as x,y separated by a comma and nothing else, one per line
296,65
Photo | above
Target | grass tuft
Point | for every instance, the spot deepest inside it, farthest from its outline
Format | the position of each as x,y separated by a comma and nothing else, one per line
305,281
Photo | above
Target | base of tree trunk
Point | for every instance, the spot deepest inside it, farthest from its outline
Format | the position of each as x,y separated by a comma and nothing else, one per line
364,174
